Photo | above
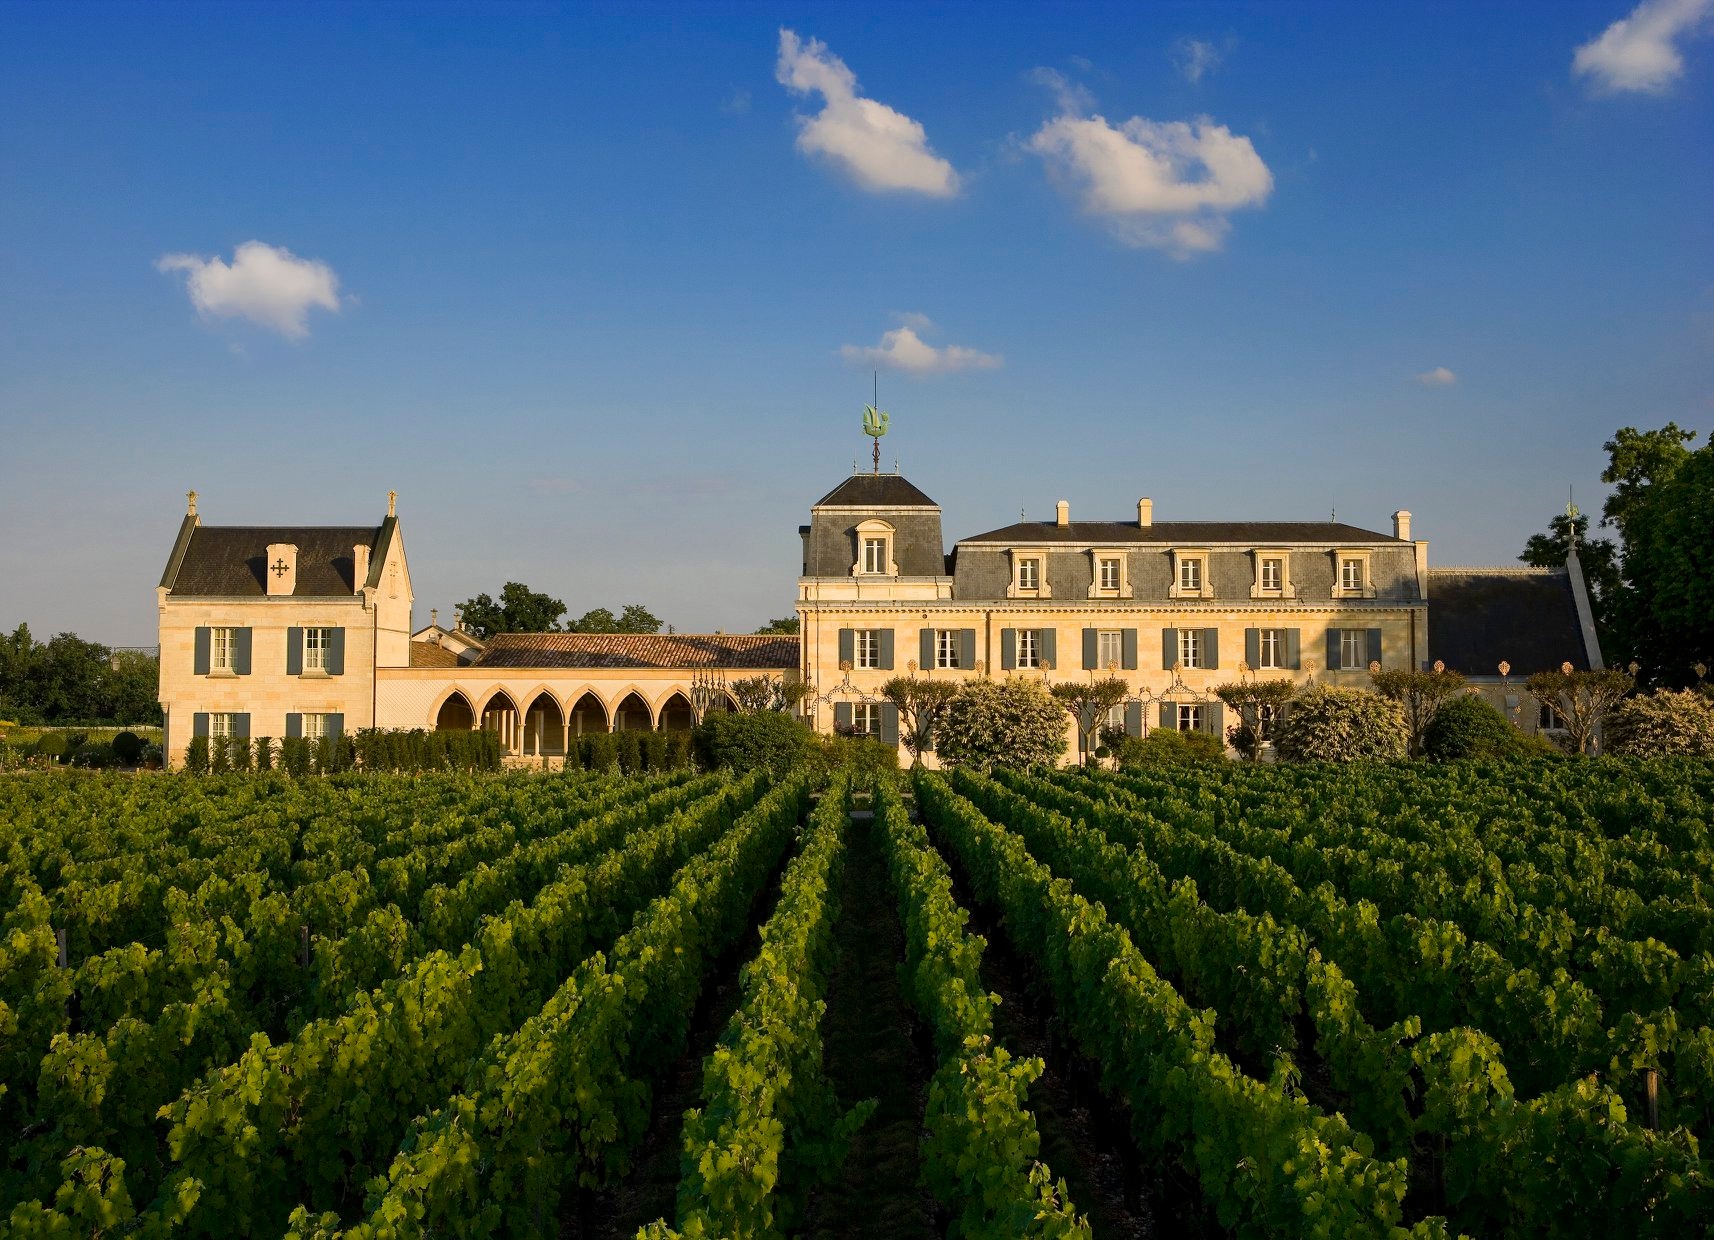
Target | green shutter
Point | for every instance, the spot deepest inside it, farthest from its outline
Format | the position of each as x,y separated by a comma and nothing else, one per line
848,646
1169,715
842,716
200,660
199,721
1253,647
1128,649
925,649
1294,648
1214,718
1091,650
1169,649
889,724
241,725
1048,647
294,651
336,725
886,643
967,648
1133,718
241,651
1375,647
1333,650
1008,649
294,725
1211,648
336,652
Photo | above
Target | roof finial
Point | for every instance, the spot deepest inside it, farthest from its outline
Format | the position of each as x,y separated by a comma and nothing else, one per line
434,617
190,506
392,502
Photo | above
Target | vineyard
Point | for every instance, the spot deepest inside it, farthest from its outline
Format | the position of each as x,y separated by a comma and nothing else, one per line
1218,1001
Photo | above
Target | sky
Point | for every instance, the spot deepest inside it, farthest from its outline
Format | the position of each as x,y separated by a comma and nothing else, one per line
601,291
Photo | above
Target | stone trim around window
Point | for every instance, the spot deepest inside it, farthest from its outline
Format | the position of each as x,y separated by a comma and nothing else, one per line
1015,588
1362,554
1179,555
874,527
1096,589
1286,589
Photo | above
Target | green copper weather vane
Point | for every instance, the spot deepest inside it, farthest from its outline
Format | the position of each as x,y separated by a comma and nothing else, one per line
875,424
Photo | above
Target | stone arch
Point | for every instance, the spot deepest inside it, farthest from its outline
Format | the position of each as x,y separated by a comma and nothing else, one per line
632,714
543,724
675,714
588,713
500,714
454,713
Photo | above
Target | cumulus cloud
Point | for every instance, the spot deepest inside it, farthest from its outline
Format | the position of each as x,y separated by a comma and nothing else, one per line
903,348
1163,184
267,284
1640,52
1194,58
1438,377
879,147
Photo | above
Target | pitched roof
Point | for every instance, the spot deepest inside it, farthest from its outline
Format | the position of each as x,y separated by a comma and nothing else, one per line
1527,617
432,654
875,491
1183,533
655,650
230,560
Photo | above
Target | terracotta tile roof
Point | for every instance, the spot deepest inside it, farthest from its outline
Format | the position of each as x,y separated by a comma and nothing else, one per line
228,560
675,650
1528,617
1184,533
432,654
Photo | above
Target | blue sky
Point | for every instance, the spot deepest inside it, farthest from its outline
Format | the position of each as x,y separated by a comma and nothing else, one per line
599,290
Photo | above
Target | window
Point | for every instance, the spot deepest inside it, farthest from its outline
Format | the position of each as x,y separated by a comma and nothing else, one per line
875,555
1548,719
1109,649
317,642
1350,574
1189,718
1353,649
1272,648
866,719
1267,714
1109,574
1115,721
946,648
1190,647
1029,648
1190,574
314,727
1029,574
869,648
1273,574
220,725
222,647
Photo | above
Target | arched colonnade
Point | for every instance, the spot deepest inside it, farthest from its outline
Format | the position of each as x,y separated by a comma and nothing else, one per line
540,722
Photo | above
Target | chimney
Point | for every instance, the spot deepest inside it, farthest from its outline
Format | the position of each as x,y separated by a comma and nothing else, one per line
1145,512
281,569
1062,513
359,567
1401,525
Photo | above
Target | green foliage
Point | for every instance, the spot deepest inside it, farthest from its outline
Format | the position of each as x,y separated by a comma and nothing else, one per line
784,625
197,760
1468,727
632,618
128,747
767,692
1582,699
863,756
70,681
600,752
922,704
1663,724
1599,560
519,610
1165,747
629,746
990,723
1088,703
1257,704
1341,725
1419,695
414,749
52,745
751,741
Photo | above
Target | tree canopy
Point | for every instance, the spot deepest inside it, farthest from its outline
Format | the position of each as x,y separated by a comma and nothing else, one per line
523,610
784,625
1599,558
68,680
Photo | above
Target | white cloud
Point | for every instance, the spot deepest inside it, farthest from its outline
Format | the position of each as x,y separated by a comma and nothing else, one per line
1438,377
879,148
266,284
1194,58
1639,52
1071,96
1162,184
904,349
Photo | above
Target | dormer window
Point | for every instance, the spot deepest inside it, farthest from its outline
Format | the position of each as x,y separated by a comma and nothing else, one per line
1273,574
1029,576
1350,574
1190,574
1352,577
875,550
1107,575
874,555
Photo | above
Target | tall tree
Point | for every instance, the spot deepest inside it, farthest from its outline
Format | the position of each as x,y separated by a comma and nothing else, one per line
784,625
1599,558
519,610
632,618
922,704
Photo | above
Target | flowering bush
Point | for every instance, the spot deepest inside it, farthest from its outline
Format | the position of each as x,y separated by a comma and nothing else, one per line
1341,725
1663,723
1014,722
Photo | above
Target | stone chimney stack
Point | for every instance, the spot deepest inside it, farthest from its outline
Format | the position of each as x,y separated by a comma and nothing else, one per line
1401,525
1145,512
1062,513
281,569
359,567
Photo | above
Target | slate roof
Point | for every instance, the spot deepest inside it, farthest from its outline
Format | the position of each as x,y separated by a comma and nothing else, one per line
1477,617
876,491
433,654
1185,533
620,650
230,560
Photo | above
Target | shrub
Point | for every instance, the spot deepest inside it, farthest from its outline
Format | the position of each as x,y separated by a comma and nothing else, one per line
52,745
1014,722
264,753
864,755
599,752
678,750
197,759
1469,727
128,748
1166,747
94,755
630,749
1662,724
751,741
1341,725
295,756
654,751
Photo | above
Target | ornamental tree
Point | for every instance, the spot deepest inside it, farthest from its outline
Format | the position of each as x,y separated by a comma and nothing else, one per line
1419,695
1259,705
1088,703
1663,723
1341,725
1014,722
767,692
1582,700
922,705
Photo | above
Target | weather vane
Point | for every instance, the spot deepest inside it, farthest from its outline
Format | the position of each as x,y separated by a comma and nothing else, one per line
875,425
